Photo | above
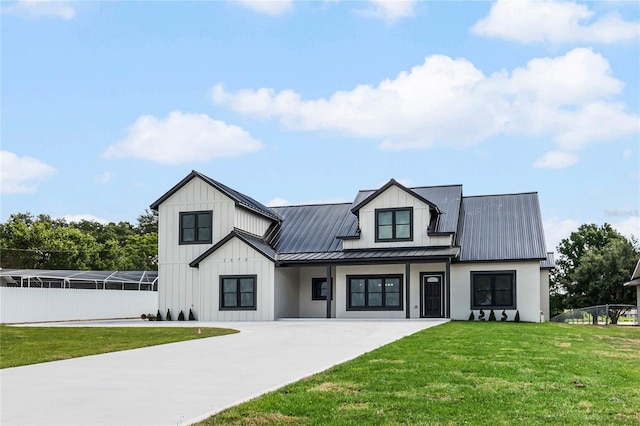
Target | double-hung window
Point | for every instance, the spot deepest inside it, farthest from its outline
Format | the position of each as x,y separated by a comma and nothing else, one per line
238,292
195,227
394,224
374,293
493,290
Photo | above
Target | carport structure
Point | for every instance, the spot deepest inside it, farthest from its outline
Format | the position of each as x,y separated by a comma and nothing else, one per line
98,280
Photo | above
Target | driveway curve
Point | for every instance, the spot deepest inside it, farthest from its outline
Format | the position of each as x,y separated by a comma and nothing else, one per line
181,383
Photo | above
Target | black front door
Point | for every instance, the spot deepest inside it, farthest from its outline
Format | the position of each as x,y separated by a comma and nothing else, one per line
432,296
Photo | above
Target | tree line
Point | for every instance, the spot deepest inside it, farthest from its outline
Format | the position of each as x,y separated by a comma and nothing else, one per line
592,266
42,242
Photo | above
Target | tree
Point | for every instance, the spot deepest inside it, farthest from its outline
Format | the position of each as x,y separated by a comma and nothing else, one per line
28,242
594,262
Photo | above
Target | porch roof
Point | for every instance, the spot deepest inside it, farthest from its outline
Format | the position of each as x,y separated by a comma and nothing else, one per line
376,255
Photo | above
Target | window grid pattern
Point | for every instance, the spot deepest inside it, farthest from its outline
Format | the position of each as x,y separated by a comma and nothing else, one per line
195,227
394,224
374,293
238,292
493,290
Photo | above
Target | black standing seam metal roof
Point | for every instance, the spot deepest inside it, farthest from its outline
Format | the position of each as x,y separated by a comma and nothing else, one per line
313,228
239,198
502,227
549,262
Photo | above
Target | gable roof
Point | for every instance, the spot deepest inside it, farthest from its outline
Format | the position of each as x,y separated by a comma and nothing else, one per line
635,277
358,204
549,262
502,227
251,240
239,198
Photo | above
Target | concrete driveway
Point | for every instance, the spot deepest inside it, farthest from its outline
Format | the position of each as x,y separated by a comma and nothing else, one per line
180,383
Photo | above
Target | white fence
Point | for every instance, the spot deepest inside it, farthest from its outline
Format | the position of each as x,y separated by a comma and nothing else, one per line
19,305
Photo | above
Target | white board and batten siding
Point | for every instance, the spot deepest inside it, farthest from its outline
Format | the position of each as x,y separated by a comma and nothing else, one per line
395,197
180,286
234,258
528,289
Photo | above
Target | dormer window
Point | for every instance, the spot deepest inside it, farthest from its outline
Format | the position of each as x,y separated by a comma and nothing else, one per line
195,227
394,224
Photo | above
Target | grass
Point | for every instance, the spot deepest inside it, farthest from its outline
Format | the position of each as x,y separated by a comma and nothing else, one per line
469,373
32,345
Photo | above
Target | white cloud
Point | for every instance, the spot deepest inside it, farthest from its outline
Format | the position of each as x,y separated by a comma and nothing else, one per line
268,7
41,8
530,21
181,138
449,102
390,11
629,227
80,217
556,160
20,175
103,177
556,230
277,202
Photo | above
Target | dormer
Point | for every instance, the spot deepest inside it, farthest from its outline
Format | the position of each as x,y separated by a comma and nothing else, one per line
395,216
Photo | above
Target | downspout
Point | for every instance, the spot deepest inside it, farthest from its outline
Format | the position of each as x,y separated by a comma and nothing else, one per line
329,291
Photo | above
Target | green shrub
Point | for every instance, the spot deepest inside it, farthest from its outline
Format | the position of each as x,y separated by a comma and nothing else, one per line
168,315
158,316
492,316
504,315
181,316
517,317
481,316
191,316
472,316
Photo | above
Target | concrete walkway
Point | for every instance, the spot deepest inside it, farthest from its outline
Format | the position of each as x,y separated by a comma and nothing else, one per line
180,383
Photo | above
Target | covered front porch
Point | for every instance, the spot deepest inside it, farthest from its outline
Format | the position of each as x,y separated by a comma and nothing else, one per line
412,288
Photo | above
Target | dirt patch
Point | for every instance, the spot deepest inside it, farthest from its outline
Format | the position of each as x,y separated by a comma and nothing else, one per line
270,418
585,404
334,387
564,344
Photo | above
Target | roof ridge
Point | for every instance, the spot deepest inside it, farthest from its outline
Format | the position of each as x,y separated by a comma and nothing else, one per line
501,195
313,205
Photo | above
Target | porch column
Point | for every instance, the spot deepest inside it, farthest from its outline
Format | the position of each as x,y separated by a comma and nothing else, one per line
447,280
407,296
329,291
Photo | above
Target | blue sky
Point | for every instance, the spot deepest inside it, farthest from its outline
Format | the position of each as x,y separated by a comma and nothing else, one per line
106,105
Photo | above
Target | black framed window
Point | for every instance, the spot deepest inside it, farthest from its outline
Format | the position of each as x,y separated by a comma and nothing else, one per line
493,290
374,293
238,292
319,289
394,224
195,227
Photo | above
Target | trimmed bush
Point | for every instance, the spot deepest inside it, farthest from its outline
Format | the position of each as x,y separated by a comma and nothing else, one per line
492,316
181,316
504,315
168,315
158,316
472,316
191,316
481,316
517,317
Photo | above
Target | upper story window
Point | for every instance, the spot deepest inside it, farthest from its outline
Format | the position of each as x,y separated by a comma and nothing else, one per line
195,227
394,224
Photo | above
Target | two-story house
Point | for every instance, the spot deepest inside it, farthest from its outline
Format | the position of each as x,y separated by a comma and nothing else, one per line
394,252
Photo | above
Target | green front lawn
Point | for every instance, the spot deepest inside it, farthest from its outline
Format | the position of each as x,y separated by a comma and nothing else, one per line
477,373
31,345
